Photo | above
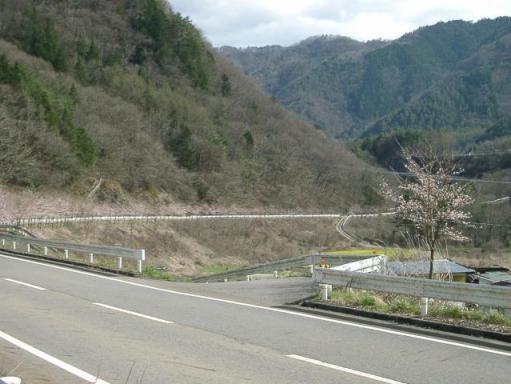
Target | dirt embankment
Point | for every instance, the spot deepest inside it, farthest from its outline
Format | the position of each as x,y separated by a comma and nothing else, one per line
194,247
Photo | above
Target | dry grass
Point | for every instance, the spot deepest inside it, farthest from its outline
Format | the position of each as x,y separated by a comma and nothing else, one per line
182,248
482,257
190,248
18,202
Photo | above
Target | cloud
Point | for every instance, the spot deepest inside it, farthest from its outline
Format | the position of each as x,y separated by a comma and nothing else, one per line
266,22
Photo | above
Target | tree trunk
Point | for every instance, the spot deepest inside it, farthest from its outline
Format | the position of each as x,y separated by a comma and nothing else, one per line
431,261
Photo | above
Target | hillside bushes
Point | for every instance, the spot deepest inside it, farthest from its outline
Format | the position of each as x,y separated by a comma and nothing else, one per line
51,106
148,105
173,36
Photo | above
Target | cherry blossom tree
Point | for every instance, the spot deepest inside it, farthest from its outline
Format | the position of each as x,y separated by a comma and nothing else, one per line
428,199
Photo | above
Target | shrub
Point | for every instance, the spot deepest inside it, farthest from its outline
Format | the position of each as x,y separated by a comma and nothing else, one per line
368,301
182,148
226,87
403,305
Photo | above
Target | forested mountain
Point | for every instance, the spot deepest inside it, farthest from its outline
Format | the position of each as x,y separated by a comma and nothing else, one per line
278,67
129,92
452,78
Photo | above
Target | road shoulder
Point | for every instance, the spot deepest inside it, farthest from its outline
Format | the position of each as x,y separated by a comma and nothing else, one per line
32,370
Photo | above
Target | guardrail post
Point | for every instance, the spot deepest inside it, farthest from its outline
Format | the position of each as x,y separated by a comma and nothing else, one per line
66,253
45,251
311,269
325,290
424,306
28,248
139,266
276,274
91,258
119,263
14,245
3,242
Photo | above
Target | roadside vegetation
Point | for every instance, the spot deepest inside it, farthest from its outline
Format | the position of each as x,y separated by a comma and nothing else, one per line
410,306
191,248
158,273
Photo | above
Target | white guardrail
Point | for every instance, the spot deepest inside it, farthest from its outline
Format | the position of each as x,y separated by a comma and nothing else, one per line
112,251
280,265
115,218
485,295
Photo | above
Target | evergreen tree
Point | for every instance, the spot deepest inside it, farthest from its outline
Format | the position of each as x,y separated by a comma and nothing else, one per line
226,86
42,40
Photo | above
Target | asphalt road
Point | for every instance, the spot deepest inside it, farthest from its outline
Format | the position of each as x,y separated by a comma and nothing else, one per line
124,330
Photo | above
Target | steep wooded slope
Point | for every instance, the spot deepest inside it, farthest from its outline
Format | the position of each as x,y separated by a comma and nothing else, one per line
128,92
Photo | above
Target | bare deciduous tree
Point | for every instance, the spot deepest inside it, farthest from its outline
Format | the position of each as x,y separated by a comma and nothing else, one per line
430,200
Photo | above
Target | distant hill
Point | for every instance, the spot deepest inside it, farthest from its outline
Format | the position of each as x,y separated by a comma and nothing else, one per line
278,67
302,77
452,79
128,92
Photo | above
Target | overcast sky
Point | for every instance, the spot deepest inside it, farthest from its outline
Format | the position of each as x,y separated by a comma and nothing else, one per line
242,23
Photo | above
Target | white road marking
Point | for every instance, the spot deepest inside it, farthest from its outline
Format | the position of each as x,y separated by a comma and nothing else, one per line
270,309
346,370
25,284
52,360
134,313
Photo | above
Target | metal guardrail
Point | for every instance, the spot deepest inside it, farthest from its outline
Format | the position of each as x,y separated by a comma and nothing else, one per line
119,218
485,295
112,251
280,265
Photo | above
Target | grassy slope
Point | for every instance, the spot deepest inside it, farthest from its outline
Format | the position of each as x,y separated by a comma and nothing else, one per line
191,248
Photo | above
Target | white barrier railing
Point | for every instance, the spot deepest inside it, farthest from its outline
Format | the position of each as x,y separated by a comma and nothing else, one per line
485,295
280,265
118,218
112,251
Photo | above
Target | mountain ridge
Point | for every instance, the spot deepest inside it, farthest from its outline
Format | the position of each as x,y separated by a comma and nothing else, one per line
358,91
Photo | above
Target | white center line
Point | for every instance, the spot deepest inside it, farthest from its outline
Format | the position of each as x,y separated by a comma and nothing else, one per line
272,309
26,284
134,313
52,360
346,370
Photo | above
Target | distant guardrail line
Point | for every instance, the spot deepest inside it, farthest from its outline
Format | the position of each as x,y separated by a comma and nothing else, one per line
486,295
497,201
99,218
343,222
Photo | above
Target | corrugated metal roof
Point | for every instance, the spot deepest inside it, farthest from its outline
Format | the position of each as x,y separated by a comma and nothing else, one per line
494,277
422,267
